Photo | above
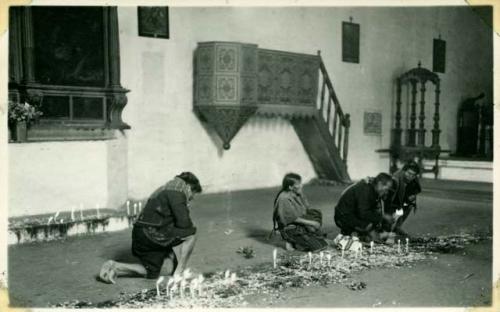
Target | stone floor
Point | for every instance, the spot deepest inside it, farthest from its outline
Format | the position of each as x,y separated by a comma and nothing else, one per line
44,273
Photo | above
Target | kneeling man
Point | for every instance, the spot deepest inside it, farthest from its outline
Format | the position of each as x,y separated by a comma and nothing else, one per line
358,211
163,231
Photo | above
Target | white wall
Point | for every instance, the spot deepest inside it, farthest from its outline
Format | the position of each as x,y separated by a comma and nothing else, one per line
56,176
166,136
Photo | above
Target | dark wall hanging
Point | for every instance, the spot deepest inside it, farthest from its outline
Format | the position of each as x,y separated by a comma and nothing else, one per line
153,22
350,42
439,55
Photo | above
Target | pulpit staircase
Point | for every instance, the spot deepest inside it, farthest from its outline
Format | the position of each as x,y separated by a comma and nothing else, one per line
325,136
235,81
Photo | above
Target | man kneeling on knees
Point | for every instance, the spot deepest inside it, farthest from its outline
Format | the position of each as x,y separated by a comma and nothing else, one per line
358,212
162,233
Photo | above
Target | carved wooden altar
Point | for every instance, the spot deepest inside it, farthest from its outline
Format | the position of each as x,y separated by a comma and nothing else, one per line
76,92
414,144
234,81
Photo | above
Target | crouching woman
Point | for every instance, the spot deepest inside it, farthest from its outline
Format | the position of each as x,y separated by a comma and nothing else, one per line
162,233
299,225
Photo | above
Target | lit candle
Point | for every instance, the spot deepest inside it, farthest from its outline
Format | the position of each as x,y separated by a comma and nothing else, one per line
371,246
275,257
226,276
172,290
407,244
168,285
158,282
73,213
200,284
183,286
310,258
329,258
233,278
193,287
321,258
399,246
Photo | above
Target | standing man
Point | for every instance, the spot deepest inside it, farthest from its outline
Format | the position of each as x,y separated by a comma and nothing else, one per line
163,231
358,211
404,194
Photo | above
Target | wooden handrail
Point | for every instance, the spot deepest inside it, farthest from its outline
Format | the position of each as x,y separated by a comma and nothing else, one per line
339,132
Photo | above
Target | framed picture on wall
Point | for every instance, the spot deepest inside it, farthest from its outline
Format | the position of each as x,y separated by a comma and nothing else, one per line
350,42
439,56
153,22
372,123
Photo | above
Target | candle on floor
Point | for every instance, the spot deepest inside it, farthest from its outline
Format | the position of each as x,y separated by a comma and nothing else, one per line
321,258
275,257
200,285
233,278
310,258
407,244
172,290
72,213
193,287
226,276
371,246
399,246
158,282
182,287
329,259
168,284
343,250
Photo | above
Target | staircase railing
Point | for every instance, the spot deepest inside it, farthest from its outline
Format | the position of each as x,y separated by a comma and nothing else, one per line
331,114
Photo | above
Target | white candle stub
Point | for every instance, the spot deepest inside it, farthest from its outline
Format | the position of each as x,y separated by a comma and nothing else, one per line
329,259
371,246
275,258
158,282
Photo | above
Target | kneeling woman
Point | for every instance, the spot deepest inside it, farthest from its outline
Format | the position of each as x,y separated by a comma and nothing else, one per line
299,225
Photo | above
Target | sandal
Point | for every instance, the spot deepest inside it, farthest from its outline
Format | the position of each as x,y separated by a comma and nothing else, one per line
108,273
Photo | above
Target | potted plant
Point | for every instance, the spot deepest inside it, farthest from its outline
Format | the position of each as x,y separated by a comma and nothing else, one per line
21,116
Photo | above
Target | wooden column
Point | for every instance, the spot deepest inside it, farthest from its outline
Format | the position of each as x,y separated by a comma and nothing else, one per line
28,45
436,131
397,126
15,47
113,48
345,148
413,115
421,117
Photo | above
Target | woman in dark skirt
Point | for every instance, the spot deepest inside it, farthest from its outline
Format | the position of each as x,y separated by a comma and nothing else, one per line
299,225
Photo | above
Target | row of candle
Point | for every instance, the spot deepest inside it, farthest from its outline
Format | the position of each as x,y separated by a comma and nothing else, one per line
181,282
329,256
137,208
73,218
